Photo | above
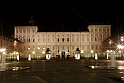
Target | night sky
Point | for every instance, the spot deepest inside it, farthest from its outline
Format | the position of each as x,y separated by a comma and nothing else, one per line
62,15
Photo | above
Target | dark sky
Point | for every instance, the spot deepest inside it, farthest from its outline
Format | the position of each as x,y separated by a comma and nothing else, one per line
62,15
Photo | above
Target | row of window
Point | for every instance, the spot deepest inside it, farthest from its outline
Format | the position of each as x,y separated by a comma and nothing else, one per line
100,30
95,29
61,39
72,35
53,40
25,30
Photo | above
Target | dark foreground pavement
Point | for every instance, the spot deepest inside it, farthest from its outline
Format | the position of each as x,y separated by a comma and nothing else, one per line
61,71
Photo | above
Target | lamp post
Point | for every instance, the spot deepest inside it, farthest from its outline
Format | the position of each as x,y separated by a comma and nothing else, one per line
120,47
107,56
82,52
92,53
33,53
17,56
110,48
43,52
122,40
29,56
96,56
38,48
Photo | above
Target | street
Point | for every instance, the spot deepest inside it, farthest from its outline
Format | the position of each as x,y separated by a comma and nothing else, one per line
61,71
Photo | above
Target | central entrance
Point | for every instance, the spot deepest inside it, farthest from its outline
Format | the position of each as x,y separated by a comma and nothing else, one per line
63,54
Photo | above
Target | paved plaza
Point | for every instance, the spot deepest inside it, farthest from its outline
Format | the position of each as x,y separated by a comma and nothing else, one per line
61,71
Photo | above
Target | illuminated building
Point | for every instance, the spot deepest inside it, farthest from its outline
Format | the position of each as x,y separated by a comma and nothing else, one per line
62,43
11,47
115,44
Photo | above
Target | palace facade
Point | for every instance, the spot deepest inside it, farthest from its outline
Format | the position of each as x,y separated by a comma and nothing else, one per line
62,43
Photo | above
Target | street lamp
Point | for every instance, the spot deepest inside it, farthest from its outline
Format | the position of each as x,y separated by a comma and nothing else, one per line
43,52
82,52
120,47
2,50
33,53
17,55
92,53
96,56
37,52
122,38
29,57
107,54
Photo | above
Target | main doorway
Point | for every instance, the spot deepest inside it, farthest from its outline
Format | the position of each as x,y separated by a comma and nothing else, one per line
63,54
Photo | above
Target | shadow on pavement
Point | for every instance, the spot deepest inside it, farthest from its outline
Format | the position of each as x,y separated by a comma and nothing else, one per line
116,79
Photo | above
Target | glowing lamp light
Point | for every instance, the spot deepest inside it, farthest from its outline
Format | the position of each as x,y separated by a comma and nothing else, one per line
15,42
120,46
28,48
119,51
4,52
48,56
122,78
92,67
77,56
2,49
66,52
107,56
29,57
17,55
82,51
110,42
122,38
38,48
96,56
91,51
33,52
107,51
43,52
120,67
